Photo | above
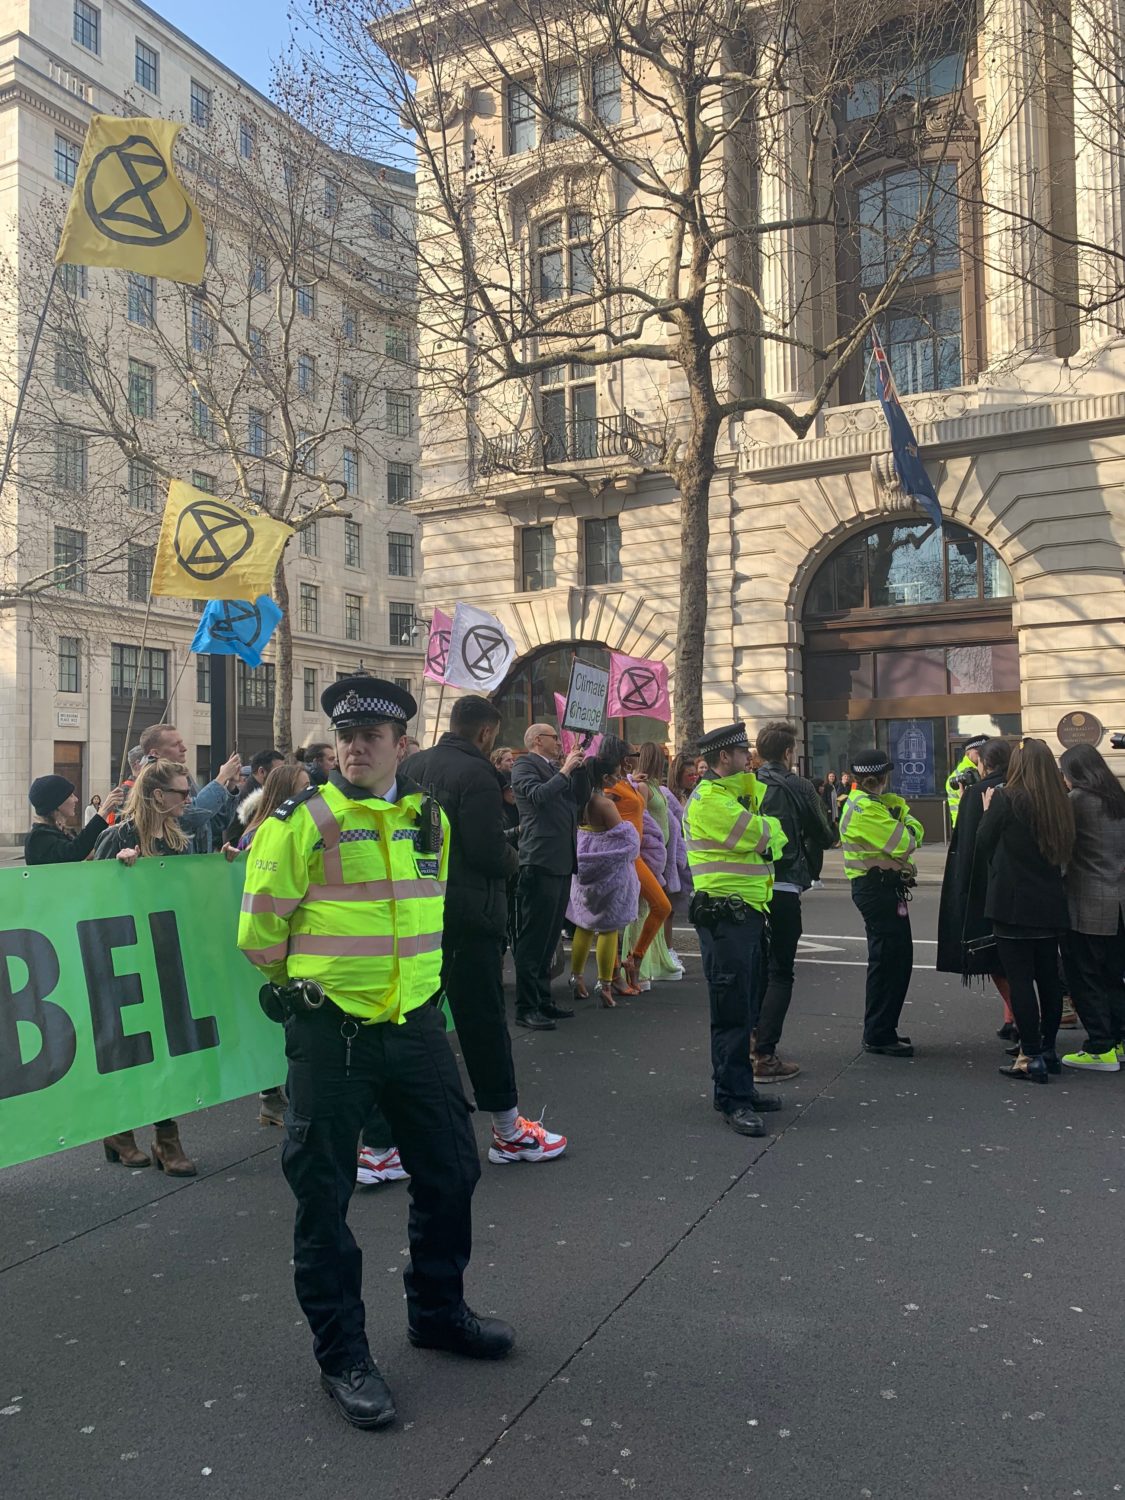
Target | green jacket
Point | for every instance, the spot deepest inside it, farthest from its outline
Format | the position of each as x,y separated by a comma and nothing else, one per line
731,844
877,833
953,793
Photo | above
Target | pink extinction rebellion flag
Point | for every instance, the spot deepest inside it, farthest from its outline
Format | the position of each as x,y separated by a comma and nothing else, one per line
437,647
637,688
567,737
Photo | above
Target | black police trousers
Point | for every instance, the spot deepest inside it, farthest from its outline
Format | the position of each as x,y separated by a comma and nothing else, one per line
410,1073
890,954
733,964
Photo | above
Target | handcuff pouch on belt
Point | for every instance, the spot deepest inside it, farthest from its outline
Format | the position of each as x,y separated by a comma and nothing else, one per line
280,1001
711,911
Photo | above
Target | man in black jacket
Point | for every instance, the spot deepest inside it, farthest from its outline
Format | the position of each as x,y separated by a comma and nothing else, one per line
795,803
548,858
459,773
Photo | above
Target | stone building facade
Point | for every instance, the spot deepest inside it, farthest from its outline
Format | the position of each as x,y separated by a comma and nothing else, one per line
831,601
69,660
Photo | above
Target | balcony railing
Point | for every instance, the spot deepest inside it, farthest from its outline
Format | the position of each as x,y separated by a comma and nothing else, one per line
584,440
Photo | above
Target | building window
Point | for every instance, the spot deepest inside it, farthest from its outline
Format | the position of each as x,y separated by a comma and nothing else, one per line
203,678
349,326
256,686
147,68
602,546
259,272
247,139
202,327
351,470
331,197
309,608
521,119
353,617
142,484
257,432
565,103
404,683
142,389
306,299
908,565
126,665
397,342
70,460
70,362
537,556
202,418
200,106
67,153
349,398
142,300
400,554
402,624
310,690
353,544
306,374
400,413
565,255
201,480
908,65
139,572
75,282
70,664
259,350
568,399
382,221
87,28
310,540
605,82
400,483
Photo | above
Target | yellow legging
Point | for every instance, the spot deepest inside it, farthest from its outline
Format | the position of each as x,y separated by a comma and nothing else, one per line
606,951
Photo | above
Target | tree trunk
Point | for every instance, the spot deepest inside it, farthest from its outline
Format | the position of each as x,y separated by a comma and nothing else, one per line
693,475
283,669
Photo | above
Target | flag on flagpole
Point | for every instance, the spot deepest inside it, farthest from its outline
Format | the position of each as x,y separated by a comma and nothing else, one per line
480,650
128,208
638,688
237,627
209,549
904,445
437,647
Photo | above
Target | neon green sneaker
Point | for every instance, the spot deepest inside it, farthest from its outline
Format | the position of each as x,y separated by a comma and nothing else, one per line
1120,1050
1094,1062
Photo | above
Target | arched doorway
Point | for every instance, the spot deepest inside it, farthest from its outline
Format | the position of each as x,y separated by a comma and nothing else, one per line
909,645
528,695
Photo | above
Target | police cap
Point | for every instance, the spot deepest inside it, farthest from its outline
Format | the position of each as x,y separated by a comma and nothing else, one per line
730,737
359,700
977,741
872,763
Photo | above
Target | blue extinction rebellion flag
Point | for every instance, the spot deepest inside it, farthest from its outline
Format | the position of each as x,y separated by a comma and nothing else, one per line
904,445
237,627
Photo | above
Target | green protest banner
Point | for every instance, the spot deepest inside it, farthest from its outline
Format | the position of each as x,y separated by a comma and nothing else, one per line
123,999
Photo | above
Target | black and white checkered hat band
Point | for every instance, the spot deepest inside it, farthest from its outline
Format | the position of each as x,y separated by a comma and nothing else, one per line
732,740
354,706
874,765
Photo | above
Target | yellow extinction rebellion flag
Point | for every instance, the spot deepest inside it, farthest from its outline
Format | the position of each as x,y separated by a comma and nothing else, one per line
210,549
128,207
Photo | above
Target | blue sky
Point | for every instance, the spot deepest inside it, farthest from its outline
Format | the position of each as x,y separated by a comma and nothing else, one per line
244,34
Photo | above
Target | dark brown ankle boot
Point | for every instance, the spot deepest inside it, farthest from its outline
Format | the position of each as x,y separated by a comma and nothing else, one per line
170,1155
124,1148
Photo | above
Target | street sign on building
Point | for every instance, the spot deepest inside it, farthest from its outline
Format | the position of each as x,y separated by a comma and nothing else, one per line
69,718
586,698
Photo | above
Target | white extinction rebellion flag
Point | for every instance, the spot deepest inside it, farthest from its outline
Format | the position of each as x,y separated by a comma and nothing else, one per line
480,650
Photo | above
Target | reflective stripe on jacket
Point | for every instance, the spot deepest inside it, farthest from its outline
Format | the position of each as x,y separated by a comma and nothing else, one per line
877,833
337,891
730,845
953,793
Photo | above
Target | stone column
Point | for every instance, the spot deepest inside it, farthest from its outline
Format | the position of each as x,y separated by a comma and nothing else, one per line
785,254
1098,36
1015,170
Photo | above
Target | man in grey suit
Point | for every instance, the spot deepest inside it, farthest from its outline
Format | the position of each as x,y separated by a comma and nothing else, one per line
548,858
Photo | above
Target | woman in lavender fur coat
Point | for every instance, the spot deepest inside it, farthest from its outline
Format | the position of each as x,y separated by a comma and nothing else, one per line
605,893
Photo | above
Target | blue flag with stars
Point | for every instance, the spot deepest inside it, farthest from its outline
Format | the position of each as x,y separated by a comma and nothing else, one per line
904,445
237,627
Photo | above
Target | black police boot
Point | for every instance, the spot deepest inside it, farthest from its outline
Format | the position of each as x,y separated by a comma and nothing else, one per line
556,1012
901,1047
535,1020
765,1103
478,1338
362,1395
745,1121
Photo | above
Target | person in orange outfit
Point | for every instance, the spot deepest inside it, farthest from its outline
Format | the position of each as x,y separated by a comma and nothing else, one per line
630,804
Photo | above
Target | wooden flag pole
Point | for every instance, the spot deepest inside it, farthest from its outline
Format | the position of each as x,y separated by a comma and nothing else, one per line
38,334
437,716
136,689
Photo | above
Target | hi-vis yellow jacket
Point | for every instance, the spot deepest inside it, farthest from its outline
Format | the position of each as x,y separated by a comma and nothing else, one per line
953,793
337,891
877,833
731,846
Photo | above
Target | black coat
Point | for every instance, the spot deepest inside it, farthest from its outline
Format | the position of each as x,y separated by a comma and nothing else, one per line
548,816
481,858
48,845
963,889
1024,888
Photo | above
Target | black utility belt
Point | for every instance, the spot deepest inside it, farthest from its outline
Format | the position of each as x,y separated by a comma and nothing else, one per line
711,911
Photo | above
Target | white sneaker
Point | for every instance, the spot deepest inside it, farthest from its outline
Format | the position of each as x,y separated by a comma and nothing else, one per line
533,1143
817,885
379,1166
676,959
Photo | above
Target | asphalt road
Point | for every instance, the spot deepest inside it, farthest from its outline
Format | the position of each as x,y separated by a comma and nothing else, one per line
897,1294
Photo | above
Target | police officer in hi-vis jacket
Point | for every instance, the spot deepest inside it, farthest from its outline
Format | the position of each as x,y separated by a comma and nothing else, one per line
342,913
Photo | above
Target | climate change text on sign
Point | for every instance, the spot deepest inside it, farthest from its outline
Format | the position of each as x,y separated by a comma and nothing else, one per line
123,1000
586,699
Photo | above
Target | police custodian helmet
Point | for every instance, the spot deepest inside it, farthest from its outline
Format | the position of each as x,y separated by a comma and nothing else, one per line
355,701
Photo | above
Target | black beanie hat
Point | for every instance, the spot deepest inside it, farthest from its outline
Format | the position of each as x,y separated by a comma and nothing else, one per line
48,793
